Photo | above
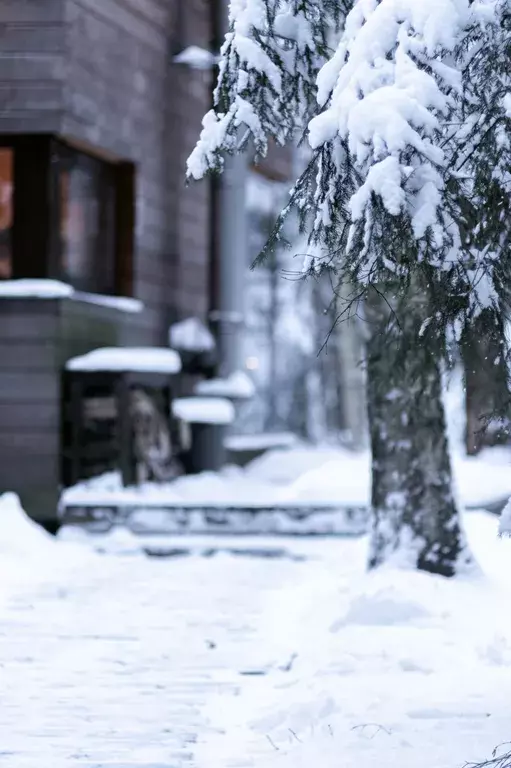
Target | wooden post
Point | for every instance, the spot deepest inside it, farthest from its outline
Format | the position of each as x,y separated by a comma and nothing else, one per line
122,390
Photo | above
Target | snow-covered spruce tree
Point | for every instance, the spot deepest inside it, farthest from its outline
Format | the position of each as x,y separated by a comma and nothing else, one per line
400,198
482,153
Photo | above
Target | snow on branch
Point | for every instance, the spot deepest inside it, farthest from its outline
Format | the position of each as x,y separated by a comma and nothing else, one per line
498,760
391,84
267,77
480,152
408,121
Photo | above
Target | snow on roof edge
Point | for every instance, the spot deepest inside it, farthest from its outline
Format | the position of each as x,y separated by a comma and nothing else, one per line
204,410
141,359
55,289
40,289
238,386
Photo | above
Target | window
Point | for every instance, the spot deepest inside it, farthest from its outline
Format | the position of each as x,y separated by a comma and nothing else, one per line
87,215
66,215
6,212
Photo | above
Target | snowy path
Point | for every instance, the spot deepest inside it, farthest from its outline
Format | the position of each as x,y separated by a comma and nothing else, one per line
394,668
111,660
229,661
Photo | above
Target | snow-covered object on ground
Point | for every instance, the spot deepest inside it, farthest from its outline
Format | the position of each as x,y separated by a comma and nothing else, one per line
237,386
191,335
143,359
298,476
204,410
182,520
196,57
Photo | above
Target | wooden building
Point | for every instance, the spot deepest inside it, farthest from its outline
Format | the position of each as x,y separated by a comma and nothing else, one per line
96,122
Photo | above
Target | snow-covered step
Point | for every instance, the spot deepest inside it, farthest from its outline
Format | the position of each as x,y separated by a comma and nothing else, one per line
190,518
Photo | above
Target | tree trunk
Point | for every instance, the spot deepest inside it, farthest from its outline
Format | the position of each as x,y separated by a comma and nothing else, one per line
415,518
486,385
273,318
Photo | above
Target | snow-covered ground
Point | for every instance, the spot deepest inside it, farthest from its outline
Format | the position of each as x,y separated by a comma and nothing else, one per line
307,474
391,669
304,474
255,653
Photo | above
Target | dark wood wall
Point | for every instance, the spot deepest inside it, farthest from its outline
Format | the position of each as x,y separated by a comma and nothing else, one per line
124,94
100,73
37,337
32,65
189,99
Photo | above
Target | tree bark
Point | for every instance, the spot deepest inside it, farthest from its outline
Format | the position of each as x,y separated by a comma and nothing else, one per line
415,518
486,385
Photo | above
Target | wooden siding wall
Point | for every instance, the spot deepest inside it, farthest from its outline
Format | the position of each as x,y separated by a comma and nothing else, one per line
32,65
99,72
36,338
124,95
189,99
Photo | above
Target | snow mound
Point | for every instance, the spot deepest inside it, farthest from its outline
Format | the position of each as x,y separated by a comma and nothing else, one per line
19,535
385,607
337,475
344,479
282,466
505,519
119,541
414,667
